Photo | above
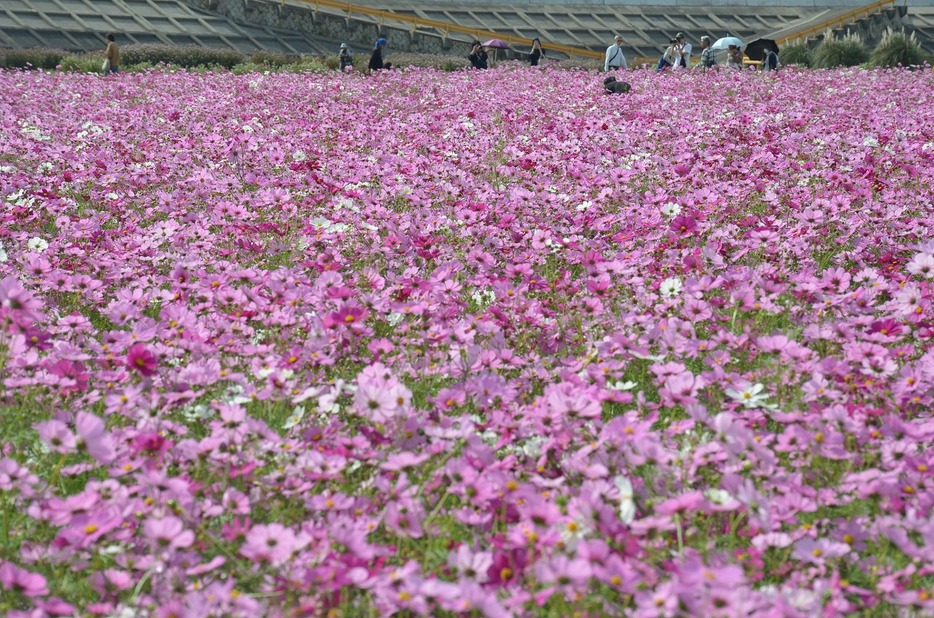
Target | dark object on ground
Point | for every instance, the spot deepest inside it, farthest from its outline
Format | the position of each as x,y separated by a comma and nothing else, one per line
758,48
612,86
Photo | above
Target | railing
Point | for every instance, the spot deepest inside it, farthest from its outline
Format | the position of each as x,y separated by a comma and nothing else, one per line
840,20
444,27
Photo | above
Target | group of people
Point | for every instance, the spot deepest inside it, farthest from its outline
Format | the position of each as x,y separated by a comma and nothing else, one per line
376,62
678,55
479,58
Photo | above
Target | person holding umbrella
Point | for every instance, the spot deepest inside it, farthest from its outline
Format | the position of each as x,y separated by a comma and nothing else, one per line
734,57
765,50
615,58
495,44
770,62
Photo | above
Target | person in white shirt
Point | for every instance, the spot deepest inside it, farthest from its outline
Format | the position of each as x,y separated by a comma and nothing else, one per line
685,51
615,58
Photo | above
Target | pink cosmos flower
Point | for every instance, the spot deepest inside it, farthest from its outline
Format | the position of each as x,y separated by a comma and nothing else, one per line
57,436
567,575
470,564
95,438
681,388
567,400
922,264
272,543
683,225
22,581
86,528
139,358
347,315
168,533
17,305
375,402
819,550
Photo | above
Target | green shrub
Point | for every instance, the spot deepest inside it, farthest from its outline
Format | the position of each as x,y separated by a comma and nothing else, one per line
82,63
31,58
848,51
798,53
247,67
897,48
188,56
315,64
274,59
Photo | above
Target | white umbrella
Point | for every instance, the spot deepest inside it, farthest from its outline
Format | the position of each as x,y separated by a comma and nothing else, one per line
726,42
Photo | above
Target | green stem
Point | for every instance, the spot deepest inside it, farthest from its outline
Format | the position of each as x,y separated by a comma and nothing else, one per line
56,472
437,508
680,536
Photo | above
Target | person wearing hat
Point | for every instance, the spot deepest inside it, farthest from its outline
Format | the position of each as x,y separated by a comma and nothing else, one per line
376,58
345,57
615,58
685,60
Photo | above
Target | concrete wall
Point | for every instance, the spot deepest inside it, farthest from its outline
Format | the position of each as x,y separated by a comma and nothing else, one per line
360,36
656,3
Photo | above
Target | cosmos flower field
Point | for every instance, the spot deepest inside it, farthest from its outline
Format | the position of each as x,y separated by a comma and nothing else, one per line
467,344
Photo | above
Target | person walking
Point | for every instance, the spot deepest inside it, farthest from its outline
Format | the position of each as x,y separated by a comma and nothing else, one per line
376,58
111,56
345,57
615,58
537,52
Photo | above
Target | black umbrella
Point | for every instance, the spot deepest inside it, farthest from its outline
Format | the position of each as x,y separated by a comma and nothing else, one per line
758,48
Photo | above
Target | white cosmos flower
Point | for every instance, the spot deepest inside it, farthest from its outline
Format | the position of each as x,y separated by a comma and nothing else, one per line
751,396
3,256
671,209
718,496
671,287
37,244
622,386
295,418
627,505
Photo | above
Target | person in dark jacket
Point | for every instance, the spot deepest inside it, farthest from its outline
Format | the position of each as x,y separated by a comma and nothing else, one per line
770,61
612,86
537,52
376,58
345,57
478,56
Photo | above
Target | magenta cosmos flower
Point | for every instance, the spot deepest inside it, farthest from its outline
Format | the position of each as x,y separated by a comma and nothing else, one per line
141,359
